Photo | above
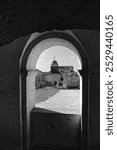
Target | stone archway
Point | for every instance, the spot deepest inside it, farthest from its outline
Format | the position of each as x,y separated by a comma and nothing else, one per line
28,73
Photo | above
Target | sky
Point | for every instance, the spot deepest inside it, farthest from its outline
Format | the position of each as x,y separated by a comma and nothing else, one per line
63,55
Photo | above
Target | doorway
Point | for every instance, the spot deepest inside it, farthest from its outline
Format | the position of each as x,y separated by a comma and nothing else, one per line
29,73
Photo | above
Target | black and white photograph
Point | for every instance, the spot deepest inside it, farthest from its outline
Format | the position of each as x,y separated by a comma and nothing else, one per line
50,75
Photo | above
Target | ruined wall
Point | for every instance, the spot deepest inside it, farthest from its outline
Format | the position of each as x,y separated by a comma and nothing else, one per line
9,89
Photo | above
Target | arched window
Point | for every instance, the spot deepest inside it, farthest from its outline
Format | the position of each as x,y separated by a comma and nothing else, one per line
29,72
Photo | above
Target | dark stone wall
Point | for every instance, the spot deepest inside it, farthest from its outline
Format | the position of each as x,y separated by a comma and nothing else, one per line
9,94
55,130
91,42
21,18
9,89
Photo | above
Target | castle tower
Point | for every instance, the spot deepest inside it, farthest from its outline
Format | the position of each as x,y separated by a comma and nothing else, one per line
54,66
54,63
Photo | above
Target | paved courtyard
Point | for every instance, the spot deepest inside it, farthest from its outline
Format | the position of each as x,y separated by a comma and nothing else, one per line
64,101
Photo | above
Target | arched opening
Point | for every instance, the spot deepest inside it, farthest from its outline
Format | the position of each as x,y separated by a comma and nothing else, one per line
29,73
58,81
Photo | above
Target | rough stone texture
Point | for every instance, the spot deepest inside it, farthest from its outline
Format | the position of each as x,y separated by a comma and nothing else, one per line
9,89
21,18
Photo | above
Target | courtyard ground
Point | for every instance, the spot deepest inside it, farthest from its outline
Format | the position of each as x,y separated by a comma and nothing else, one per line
63,100
42,94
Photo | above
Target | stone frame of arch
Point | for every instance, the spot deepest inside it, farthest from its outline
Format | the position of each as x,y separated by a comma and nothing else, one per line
25,71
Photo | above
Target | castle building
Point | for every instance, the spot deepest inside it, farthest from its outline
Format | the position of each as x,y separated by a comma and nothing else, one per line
62,77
